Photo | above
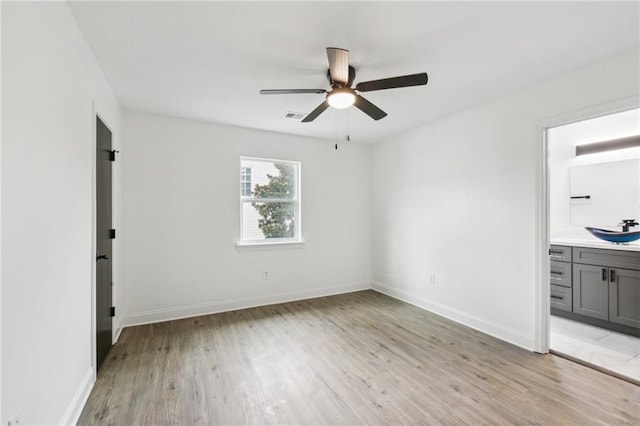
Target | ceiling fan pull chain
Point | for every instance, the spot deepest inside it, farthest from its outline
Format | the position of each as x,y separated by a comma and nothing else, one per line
347,137
336,133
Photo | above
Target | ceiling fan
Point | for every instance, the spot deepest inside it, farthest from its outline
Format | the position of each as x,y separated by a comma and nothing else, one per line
342,95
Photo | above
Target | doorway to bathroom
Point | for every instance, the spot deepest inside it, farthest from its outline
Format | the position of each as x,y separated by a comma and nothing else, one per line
593,176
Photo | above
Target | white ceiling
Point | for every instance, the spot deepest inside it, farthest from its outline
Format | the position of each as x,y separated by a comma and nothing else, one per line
208,60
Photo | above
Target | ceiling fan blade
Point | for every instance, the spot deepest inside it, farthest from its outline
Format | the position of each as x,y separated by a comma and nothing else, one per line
290,91
338,64
316,112
393,82
368,108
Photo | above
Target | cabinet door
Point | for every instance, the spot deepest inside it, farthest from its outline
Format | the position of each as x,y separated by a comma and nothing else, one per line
624,297
590,292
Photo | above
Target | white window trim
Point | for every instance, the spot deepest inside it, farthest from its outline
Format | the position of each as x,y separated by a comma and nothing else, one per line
296,241
269,245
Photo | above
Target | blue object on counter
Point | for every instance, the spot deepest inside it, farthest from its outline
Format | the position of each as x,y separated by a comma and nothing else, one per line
614,236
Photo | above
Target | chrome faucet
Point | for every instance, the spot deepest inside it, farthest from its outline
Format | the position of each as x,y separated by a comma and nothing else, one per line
627,223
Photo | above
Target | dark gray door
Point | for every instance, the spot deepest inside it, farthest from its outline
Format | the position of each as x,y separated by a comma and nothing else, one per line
103,241
590,291
624,297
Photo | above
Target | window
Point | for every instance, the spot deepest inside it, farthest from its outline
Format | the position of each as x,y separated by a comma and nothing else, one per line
269,200
245,181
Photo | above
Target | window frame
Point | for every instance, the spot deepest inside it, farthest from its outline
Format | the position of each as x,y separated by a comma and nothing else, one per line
296,201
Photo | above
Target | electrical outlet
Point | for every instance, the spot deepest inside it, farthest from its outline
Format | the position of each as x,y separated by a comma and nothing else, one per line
432,279
265,275
14,420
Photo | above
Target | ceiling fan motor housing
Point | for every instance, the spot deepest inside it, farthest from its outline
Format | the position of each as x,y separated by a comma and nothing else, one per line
335,84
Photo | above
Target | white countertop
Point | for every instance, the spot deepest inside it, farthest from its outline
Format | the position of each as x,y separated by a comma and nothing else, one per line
593,242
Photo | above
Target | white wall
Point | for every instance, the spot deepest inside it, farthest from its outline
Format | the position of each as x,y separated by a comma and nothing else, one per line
562,155
458,197
50,81
182,220
1,97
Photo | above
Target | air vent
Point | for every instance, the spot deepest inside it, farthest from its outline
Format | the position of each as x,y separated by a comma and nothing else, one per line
294,115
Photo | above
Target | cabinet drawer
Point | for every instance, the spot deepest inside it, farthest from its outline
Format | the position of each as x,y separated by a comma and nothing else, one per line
560,273
609,258
561,298
560,253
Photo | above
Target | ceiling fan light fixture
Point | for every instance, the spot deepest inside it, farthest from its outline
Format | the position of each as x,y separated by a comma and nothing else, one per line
341,98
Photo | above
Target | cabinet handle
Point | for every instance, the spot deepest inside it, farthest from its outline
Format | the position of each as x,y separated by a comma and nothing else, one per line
555,252
612,275
556,273
556,297
604,274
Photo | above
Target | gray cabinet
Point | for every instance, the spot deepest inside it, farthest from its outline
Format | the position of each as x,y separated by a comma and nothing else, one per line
598,286
590,291
624,297
560,278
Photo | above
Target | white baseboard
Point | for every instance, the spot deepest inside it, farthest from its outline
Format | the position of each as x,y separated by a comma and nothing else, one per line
488,327
76,405
118,331
180,312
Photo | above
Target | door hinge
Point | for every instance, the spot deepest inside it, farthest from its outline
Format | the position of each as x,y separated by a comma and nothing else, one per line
112,233
113,311
112,155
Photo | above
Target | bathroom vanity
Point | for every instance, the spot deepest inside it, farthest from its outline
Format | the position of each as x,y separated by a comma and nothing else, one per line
597,283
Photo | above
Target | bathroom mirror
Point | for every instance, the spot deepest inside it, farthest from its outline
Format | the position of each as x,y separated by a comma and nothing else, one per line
604,193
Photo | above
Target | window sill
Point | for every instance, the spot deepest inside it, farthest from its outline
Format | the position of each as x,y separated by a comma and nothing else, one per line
270,245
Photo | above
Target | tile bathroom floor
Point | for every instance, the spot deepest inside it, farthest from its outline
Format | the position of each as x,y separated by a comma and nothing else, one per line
605,349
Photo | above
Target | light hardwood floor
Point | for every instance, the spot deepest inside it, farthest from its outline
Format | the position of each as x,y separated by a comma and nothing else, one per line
358,358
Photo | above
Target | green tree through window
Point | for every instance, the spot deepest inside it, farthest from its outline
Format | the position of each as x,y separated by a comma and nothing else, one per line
277,216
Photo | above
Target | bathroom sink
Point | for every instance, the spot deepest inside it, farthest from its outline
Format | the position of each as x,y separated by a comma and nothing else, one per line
614,236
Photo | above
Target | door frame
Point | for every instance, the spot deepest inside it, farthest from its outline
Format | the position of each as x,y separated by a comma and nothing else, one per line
94,235
542,306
